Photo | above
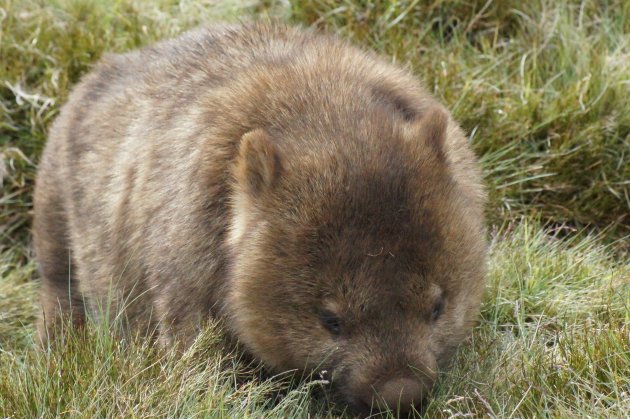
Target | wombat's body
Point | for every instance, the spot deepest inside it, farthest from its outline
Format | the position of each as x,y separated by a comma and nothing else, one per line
310,194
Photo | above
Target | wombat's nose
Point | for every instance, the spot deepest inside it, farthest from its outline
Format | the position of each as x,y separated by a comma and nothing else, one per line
401,394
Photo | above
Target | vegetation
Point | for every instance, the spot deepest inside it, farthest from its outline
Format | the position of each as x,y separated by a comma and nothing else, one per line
541,87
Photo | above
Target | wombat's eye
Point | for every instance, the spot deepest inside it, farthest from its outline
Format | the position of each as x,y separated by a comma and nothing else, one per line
437,310
331,322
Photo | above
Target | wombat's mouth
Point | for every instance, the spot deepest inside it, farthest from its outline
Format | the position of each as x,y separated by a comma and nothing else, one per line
363,405
363,410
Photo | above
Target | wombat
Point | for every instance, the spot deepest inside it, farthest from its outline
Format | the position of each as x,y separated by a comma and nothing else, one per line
312,196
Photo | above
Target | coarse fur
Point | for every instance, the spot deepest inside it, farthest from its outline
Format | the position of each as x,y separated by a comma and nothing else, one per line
310,194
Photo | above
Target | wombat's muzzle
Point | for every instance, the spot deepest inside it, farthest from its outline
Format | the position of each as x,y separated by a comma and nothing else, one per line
400,394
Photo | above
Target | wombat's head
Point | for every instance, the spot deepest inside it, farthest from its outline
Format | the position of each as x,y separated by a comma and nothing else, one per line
359,256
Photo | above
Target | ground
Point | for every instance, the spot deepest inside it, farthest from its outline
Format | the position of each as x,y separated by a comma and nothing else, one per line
542,90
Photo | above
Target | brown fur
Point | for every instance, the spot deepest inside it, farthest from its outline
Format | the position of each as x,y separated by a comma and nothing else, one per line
278,179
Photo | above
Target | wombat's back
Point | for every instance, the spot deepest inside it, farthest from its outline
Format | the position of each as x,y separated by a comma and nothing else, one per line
129,211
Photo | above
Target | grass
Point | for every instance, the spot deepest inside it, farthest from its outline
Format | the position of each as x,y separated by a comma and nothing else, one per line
553,340
541,87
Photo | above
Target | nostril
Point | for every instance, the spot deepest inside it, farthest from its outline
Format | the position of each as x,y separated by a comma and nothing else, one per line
401,394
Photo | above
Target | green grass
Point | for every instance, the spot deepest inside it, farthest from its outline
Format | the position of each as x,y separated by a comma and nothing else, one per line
542,89
553,339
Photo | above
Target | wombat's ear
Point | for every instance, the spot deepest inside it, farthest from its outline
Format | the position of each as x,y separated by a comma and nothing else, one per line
431,129
258,165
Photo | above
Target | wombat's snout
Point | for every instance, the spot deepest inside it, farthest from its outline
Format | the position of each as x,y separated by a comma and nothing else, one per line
401,394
